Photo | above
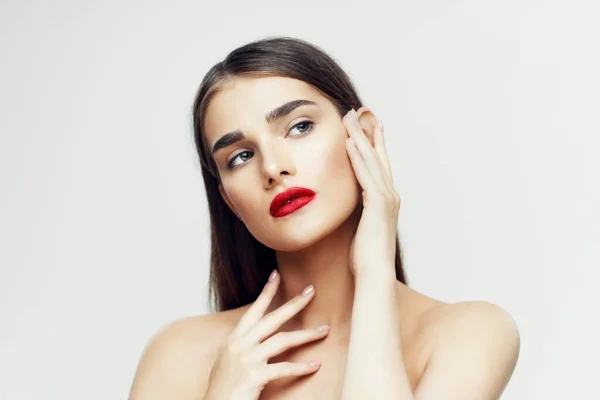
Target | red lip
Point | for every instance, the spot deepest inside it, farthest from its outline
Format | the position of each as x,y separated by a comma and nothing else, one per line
278,210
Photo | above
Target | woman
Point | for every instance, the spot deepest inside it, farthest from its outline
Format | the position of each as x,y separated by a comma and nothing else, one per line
306,265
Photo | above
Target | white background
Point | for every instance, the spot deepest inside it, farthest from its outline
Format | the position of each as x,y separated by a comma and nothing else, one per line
491,115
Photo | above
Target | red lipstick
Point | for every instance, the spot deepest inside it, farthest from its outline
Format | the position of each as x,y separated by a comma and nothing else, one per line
290,200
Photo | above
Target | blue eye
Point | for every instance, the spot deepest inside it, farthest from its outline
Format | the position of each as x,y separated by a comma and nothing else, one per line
231,163
306,123
306,127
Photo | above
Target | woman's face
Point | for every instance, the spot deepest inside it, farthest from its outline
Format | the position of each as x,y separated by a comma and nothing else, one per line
305,147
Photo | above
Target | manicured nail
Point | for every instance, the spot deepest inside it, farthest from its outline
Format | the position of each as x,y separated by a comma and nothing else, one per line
381,125
323,328
314,364
308,290
273,275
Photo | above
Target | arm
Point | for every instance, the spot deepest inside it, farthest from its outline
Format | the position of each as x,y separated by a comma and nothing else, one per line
479,345
374,367
473,360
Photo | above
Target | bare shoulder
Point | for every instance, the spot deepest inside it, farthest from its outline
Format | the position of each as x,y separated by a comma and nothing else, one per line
177,360
477,332
473,319
473,350
437,319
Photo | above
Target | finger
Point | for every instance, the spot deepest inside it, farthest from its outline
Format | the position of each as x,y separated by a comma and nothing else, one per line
284,341
363,175
366,150
257,310
380,149
284,369
273,320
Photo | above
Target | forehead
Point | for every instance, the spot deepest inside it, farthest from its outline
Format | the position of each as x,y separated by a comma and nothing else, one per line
244,101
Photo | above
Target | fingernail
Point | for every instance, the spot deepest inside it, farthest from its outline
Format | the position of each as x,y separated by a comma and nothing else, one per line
323,328
308,290
273,275
314,364
381,125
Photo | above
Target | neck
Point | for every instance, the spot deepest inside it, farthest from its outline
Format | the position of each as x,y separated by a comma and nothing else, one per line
325,265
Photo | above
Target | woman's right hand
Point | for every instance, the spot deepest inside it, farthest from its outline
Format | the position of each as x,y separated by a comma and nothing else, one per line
241,369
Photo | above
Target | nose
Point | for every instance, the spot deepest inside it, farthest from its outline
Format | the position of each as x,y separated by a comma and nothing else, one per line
276,163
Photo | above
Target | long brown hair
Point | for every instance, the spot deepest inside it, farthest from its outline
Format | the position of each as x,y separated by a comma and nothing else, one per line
240,264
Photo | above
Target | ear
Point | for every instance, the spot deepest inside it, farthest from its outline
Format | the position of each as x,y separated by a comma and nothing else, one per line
368,122
227,200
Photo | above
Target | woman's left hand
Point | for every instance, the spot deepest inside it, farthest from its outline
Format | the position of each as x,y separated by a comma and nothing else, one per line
373,248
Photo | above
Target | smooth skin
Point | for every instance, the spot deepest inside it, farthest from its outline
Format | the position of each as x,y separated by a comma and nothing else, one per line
241,370
464,350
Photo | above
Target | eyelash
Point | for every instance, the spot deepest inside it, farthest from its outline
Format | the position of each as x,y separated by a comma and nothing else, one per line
307,122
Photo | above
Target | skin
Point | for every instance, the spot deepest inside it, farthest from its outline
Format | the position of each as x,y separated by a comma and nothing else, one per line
434,339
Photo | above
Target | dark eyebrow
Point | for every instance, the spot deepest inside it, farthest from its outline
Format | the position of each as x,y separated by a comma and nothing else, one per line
232,137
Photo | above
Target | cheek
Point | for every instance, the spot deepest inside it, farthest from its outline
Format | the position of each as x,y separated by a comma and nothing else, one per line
334,164
335,179
243,204
241,196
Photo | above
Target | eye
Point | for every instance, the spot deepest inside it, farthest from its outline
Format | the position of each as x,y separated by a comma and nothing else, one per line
243,154
306,127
